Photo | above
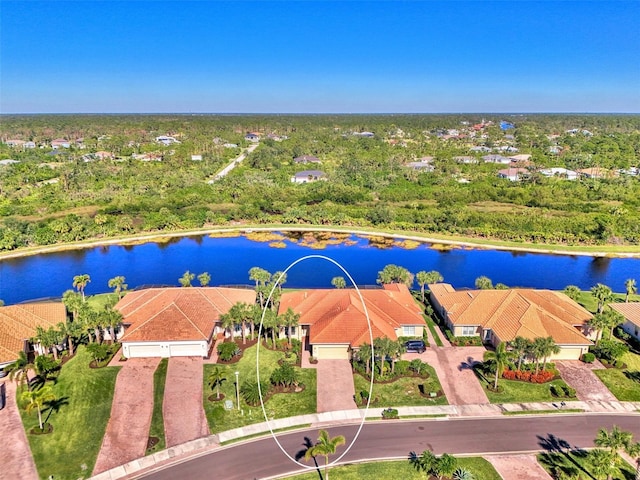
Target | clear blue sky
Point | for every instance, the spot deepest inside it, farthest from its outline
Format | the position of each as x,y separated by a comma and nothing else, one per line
314,57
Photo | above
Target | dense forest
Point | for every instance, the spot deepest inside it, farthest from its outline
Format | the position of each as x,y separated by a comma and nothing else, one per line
115,178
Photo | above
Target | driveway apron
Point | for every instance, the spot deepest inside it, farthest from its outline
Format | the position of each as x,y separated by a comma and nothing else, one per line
335,386
459,382
184,418
128,428
17,461
588,386
518,467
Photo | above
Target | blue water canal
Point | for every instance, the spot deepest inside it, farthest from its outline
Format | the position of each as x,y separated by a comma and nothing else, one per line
228,261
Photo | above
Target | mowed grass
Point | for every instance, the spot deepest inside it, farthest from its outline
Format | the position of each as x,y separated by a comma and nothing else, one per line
621,382
578,462
157,420
589,302
280,405
84,397
403,392
479,467
520,392
98,302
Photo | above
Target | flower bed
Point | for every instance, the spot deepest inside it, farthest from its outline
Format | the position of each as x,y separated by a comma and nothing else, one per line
525,376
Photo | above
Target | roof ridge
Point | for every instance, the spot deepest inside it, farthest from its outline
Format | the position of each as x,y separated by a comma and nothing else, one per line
189,320
152,317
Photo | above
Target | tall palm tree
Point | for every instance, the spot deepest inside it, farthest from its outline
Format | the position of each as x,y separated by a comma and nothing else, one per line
365,355
634,452
395,274
279,277
73,302
186,278
204,278
339,282
397,348
520,347
603,463
325,446
228,322
501,357
548,347
602,294
382,347
118,285
215,379
290,319
630,286
598,322
572,292
425,278
19,369
80,282
36,399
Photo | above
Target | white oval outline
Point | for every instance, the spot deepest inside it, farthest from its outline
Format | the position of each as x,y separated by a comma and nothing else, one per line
264,310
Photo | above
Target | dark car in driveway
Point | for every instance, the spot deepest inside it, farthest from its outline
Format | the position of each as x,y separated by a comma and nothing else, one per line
415,346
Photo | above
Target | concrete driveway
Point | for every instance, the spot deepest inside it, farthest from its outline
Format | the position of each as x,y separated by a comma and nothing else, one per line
580,376
184,418
335,386
128,428
518,467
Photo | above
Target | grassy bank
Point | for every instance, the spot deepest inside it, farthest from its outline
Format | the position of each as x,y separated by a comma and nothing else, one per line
157,420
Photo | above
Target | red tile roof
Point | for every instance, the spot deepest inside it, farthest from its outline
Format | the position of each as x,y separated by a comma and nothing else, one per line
173,314
337,316
18,323
631,311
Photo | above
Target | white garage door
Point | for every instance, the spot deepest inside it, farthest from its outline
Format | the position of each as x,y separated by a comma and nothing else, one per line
151,350
185,350
331,352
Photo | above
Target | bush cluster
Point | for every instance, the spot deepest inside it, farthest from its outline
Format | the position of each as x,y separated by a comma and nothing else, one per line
588,357
526,376
471,341
228,350
562,391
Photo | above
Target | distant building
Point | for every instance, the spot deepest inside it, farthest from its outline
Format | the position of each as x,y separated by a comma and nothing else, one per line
559,172
308,176
166,140
513,174
425,164
496,159
60,142
252,137
465,159
196,157
8,161
15,143
303,159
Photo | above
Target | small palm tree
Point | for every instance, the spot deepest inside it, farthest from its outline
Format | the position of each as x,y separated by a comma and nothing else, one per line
290,319
602,294
425,278
572,292
520,347
338,282
501,357
365,355
37,399
186,278
630,286
80,282
215,379
483,283
204,279
325,446
19,369
118,285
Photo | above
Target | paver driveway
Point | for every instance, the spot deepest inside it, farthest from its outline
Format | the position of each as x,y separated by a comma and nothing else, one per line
518,467
581,377
184,418
128,428
17,461
335,386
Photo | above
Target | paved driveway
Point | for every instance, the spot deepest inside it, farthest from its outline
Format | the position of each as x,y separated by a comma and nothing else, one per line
17,461
335,386
518,467
128,428
581,377
184,418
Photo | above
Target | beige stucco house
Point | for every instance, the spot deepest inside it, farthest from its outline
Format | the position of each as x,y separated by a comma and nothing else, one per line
631,313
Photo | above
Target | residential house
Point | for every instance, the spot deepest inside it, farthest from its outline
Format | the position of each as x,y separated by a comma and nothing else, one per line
559,172
230,145
520,158
176,322
465,159
595,172
8,161
60,142
333,322
304,159
502,315
166,140
18,325
496,159
308,176
631,313
513,174
252,137
15,143
480,148
425,164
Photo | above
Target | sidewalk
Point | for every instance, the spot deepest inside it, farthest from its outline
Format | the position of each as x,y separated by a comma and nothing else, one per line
353,416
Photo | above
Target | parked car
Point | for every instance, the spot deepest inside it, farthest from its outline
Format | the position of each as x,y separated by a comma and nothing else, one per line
415,346
3,373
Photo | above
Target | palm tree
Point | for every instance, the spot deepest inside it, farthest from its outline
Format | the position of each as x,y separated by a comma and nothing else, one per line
48,339
634,451
111,319
520,347
215,379
548,347
426,278
572,292
395,274
615,440
396,351
19,369
501,357
325,446
608,319
602,294
228,322
290,319
279,277
338,282
73,302
118,285
444,465
365,355
602,463
204,279
483,283
423,462
630,286
80,282
382,347
186,279
36,399
261,277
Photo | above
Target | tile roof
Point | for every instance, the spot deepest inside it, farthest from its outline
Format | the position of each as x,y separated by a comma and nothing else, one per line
631,311
174,314
516,312
337,316
18,323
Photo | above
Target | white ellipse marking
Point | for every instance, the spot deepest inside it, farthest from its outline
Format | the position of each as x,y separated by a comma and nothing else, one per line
366,312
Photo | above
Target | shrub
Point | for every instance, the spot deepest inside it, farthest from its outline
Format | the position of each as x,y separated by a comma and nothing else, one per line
555,391
609,350
402,366
251,394
228,350
416,365
542,377
390,413
463,474
98,351
569,392
364,396
588,357
285,375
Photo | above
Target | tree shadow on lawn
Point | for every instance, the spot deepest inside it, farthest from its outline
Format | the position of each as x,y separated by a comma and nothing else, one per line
635,376
307,444
560,458
55,405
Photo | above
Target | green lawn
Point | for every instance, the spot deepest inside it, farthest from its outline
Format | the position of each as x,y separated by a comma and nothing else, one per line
589,302
157,420
520,392
403,392
621,382
84,397
281,405
479,467
432,328
98,302
577,462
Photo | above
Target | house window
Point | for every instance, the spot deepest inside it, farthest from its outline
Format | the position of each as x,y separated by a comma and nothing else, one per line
409,330
238,328
469,331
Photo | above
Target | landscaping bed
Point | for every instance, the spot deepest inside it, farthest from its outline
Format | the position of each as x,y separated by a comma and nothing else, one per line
156,431
578,462
624,384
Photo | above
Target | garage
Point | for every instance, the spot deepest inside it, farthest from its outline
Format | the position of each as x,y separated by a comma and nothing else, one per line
331,352
141,351
198,349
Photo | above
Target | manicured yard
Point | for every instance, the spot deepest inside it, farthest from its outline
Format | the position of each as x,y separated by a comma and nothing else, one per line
479,467
98,302
280,405
577,462
432,328
157,420
589,302
624,384
84,398
521,392
402,392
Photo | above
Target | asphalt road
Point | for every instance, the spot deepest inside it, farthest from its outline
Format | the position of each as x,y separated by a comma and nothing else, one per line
263,459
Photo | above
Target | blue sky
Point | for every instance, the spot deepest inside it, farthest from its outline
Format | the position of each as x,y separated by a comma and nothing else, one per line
315,57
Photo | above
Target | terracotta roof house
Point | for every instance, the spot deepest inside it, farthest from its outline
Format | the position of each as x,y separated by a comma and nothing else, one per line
595,172
18,324
60,142
333,321
559,172
502,315
174,322
631,313
513,174
308,176
307,159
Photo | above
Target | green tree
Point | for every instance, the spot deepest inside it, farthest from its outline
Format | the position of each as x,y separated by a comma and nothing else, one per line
445,465
423,462
37,399
215,379
630,287
325,446
45,365
572,292
501,358
290,319
547,348
19,369
602,294
483,283
520,346
338,282
204,279
48,339
118,285
71,331
80,283
365,355
186,279
280,278
427,278
262,278
383,348
395,274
